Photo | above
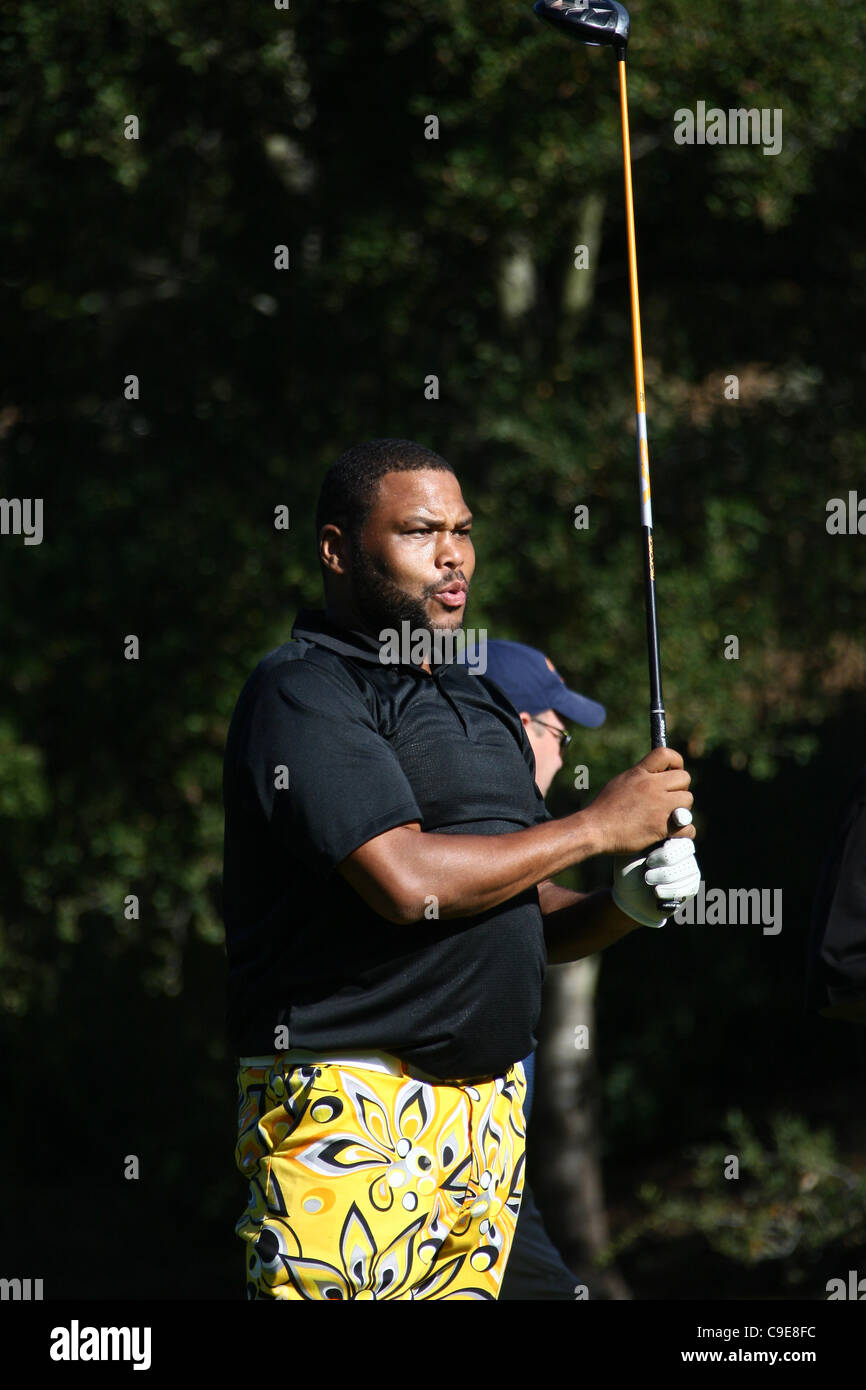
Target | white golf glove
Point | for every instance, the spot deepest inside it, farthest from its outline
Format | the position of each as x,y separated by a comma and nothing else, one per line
642,881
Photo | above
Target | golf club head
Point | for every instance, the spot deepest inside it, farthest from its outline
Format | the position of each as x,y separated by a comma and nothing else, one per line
595,22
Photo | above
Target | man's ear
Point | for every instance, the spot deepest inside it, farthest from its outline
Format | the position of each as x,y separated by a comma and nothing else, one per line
334,550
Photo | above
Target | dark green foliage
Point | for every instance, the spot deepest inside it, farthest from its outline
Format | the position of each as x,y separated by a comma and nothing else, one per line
410,257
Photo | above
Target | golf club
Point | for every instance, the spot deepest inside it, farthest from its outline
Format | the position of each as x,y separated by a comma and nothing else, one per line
600,23
604,23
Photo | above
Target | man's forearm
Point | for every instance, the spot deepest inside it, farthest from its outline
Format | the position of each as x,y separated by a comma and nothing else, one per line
579,924
474,877
399,872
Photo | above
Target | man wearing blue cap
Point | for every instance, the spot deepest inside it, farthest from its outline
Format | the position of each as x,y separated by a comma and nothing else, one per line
544,702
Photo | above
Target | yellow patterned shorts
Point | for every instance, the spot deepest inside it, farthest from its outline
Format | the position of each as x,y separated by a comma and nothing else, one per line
368,1182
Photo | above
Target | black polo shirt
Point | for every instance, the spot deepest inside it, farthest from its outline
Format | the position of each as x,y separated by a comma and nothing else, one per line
364,747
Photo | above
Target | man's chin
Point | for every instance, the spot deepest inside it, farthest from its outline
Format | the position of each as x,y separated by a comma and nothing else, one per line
420,614
445,623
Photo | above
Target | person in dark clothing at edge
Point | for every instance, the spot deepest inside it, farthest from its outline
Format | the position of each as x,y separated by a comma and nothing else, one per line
544,703
836,962
389,910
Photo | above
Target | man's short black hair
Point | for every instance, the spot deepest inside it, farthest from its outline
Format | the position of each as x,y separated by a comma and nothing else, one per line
349,486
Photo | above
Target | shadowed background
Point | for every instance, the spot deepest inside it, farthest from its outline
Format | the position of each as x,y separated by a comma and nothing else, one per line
412,258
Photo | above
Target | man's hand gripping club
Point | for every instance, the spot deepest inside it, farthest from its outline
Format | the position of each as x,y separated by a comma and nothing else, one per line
644,881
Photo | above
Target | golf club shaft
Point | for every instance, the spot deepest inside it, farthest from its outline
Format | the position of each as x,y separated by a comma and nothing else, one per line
658,731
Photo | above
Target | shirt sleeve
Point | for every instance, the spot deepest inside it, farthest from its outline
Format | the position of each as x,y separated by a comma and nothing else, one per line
325,778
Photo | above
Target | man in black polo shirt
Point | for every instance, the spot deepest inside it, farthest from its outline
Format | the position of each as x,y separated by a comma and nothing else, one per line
389,910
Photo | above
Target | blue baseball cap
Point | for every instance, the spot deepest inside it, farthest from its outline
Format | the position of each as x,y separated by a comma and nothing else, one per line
533,684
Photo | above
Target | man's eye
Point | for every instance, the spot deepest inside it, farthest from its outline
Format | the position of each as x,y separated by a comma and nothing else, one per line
431,530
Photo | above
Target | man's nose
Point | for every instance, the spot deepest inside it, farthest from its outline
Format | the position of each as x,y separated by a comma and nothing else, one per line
450,552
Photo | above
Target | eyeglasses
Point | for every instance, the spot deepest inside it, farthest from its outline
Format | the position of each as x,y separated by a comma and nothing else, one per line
564,738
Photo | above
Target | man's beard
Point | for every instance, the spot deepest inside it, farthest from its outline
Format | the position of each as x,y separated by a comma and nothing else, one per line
380,603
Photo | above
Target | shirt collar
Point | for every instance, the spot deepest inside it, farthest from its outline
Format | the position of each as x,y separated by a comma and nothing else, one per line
313,625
